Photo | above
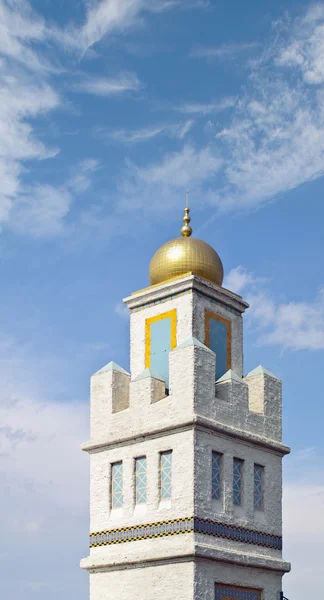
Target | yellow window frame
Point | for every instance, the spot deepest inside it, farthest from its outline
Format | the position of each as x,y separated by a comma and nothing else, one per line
171,314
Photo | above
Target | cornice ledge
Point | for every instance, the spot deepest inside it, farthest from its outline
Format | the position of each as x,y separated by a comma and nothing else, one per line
246,436
200,551
107,563
152,433
196,421
206,552
190,281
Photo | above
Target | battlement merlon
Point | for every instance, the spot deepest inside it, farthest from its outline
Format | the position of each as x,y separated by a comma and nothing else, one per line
123,408
185,388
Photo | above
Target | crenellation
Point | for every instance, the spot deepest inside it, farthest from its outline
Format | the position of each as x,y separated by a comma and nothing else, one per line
265,398
192,369
232,401
109,394
146,388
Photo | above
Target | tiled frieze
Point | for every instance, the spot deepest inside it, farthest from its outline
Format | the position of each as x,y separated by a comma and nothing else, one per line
178,295
185,525
160,301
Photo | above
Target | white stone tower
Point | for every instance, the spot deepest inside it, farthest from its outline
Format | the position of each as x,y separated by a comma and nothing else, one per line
186,476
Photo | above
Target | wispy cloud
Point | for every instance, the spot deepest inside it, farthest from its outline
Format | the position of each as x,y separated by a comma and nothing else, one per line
238,279
224,51
274,137
157,186
275,140
40,211
21,98
105,86
294,325
305,49
42,497
162,5
180,168
177,130
199,108
20,26
108,16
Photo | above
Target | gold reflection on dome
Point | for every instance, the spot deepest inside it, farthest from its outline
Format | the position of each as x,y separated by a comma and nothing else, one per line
186,254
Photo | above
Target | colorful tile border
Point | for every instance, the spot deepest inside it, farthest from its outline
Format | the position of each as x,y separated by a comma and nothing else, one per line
161,301
185,293
185,525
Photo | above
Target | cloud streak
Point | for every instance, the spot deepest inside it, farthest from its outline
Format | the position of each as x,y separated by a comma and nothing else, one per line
123,136
105,86
109,16
305,50
295,325
225,51
200,108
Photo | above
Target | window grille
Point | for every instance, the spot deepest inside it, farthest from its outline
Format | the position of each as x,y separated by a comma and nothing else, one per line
117,485
258,487
140,480
237,481
166,474
216,475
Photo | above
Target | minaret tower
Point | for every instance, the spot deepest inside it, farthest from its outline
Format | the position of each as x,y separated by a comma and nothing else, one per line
185,451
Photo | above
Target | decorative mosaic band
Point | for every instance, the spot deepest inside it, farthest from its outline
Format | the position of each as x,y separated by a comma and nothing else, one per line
185,293
185,525
161,301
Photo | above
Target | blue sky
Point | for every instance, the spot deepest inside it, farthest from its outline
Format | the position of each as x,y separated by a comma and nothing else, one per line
109,110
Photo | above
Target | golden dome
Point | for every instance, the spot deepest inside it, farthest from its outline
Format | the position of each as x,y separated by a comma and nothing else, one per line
183,255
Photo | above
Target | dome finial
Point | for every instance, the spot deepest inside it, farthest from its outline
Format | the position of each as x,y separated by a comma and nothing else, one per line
186,230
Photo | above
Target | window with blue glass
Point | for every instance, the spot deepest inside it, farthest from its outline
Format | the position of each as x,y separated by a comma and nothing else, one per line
258,487
160,338
218,339
166,474
140,480
117,485
216,475
237,481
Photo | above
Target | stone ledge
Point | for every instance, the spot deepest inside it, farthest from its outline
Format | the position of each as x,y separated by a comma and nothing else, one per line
201,552
201,423
182,284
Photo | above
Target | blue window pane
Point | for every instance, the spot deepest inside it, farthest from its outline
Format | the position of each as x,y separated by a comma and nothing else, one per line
237,481
258,487
218,344
216,475
166,475
117,485
140,480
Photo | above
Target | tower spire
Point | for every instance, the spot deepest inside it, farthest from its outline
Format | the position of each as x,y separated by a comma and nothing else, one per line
186,230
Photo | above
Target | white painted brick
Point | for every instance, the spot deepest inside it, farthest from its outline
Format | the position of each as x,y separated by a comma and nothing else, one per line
192,421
